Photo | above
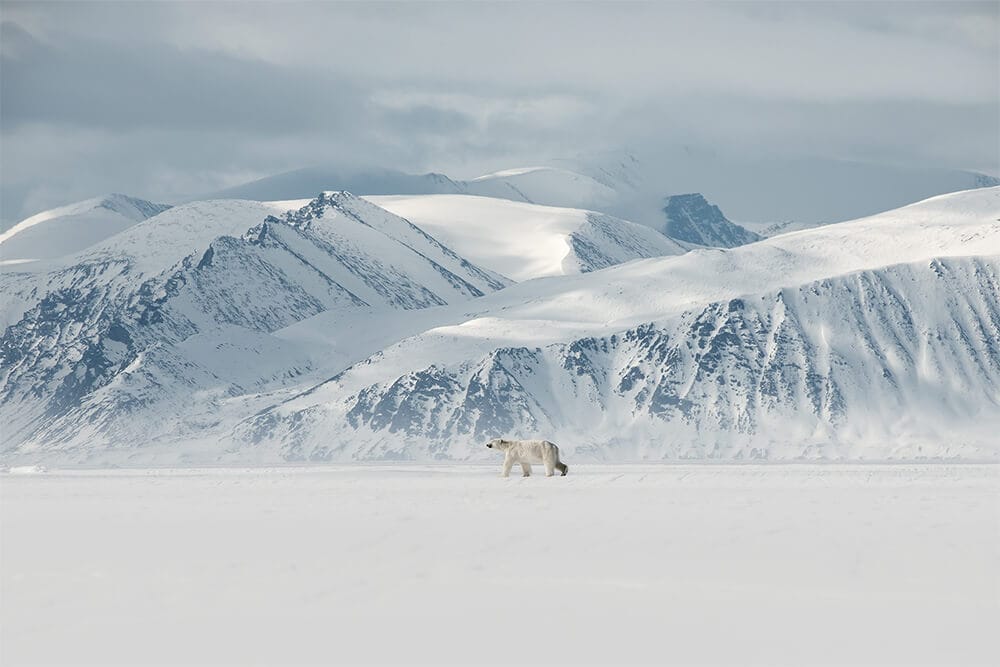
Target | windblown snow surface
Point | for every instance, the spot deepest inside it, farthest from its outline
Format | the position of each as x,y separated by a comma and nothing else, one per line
667,565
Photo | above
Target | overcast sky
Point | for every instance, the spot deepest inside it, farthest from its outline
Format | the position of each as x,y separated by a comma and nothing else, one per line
162,100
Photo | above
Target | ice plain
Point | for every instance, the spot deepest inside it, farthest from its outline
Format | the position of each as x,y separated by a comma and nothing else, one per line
448,564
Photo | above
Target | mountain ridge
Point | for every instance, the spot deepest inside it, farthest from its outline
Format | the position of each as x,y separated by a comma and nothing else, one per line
336,253
762,351
74,227
525,241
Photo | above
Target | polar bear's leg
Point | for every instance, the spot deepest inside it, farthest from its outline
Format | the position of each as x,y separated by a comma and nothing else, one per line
508,463
549,465
526,469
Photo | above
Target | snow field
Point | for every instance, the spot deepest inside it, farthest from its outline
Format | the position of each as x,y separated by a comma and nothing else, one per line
448,564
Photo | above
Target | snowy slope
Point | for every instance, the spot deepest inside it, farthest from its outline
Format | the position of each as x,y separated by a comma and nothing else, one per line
877,338
524,241
70,229
101,336
769,229
550,186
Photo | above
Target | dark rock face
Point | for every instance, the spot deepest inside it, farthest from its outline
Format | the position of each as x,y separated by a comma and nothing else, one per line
132,207
692,219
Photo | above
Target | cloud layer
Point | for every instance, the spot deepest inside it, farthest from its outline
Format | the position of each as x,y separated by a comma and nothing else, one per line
162,100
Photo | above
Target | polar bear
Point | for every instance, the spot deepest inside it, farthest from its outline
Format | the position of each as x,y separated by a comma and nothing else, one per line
527,452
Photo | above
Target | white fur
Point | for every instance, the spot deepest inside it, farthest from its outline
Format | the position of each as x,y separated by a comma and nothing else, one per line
527,452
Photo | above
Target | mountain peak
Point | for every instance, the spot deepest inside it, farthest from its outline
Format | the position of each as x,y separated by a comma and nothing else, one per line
336,199
692,218
695,198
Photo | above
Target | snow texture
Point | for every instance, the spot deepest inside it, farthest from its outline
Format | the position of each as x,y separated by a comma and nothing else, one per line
723,565
524,241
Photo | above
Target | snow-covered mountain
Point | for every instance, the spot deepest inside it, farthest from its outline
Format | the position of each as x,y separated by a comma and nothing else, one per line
125,260
524,241
692,219
123,330
878,338
70,229
305,338
632,185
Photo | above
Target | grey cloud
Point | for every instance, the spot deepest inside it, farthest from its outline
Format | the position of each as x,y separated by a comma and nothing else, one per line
165,99
424,118
95,85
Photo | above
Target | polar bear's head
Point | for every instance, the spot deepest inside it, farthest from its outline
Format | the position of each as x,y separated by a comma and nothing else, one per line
498,443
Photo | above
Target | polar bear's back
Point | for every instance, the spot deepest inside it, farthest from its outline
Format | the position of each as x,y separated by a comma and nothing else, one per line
536,443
